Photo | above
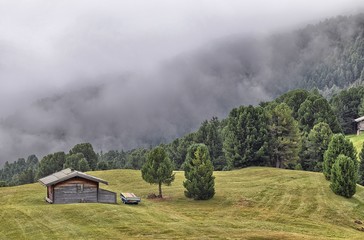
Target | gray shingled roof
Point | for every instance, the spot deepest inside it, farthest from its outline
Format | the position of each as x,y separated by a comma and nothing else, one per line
67,174
359,119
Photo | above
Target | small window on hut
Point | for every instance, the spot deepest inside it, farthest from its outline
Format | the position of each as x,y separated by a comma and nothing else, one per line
79,187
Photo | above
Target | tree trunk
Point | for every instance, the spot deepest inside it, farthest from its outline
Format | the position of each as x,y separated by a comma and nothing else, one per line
160,190
278,164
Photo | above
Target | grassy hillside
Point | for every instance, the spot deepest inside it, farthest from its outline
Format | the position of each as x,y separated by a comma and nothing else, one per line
357,141
252,203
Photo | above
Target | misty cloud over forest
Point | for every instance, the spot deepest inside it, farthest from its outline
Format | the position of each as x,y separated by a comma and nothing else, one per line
123,76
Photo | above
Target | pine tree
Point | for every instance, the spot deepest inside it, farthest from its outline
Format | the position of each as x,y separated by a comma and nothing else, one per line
158,169
338,145
344,176
284,142
246,137
200,182
209,134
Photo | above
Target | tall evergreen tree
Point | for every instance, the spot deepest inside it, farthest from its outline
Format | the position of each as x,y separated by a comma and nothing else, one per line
158,169
209,134
316,109
344,176
317,142
246,137
338,145
294,99
284,141
200,182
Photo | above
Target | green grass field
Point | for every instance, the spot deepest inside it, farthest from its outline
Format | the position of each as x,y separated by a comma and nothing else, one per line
252,203
357,141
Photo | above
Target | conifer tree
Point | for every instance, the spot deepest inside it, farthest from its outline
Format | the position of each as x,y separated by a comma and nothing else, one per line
209,134
338,145
316,109
158,169
246,137
200,182
316,144
284,142
344,176
361,167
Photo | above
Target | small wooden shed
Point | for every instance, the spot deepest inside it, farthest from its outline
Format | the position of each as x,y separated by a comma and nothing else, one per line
359,124
69,186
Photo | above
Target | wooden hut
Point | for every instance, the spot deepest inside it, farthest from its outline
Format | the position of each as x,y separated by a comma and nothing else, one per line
69,186
359,124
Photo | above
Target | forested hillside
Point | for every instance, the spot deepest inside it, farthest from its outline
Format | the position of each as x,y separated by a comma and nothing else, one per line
221,80
128,111
293,131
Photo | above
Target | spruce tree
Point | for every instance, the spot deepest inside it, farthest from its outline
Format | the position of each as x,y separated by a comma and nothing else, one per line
246,137
200,182
209,134
338,145
158,169
344,176
315,145
361,167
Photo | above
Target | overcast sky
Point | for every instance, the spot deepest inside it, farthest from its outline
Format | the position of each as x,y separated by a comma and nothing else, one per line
52,47
46,46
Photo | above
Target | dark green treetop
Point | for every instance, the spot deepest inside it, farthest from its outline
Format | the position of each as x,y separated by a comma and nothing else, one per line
200,182
158,169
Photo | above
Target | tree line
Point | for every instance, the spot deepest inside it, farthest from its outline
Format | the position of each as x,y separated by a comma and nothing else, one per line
293,131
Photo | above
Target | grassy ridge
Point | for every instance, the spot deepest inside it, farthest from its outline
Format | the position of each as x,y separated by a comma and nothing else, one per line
252,203
357,141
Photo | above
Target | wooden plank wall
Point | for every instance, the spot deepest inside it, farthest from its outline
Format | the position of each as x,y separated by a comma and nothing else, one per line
106,196
75,190
361,126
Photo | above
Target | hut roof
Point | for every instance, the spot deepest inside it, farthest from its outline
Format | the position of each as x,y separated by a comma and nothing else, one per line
359,119
66,174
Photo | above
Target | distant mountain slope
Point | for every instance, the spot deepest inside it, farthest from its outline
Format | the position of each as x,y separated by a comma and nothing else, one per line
253,203
143,109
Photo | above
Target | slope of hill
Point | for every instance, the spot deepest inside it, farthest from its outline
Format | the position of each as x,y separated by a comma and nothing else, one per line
357,141
252,203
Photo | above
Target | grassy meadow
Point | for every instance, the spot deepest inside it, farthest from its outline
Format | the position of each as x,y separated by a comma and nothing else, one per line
252,203
357,141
